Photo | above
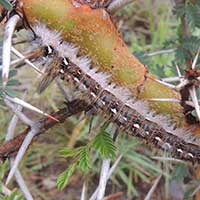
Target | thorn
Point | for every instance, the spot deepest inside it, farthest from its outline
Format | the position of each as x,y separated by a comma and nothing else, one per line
51,117
163,83
165,100
179,72
29,106
195,100
171,79
195,59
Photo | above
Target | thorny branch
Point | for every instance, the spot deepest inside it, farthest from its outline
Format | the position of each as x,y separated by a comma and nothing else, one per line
11,147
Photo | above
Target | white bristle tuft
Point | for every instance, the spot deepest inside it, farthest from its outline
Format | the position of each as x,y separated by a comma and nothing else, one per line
83,62
140,106
47,37
160,119
67,50
121,93
92,72
102,78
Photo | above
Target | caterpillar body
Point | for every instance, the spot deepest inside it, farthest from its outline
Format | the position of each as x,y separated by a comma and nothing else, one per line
117,103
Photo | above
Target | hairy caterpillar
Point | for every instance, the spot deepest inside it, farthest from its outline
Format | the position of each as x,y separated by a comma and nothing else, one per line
115,102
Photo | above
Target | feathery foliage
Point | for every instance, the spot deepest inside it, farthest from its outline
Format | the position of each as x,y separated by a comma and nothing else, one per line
80,156
104,144
6,4
64,177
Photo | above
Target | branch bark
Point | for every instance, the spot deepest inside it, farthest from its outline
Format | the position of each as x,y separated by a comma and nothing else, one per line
11,147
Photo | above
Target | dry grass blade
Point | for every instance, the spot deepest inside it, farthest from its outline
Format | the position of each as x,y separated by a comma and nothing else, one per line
22,184
197,189
167,159
21,153
153,188
103,179
108,176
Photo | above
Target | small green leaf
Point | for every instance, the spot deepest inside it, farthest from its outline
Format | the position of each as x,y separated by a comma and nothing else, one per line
66,152
64,177
104,143
193,15
84,159
13,82
11,92
6,4
12,73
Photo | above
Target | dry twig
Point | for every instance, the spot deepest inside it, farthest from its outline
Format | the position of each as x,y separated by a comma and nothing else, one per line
11,147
